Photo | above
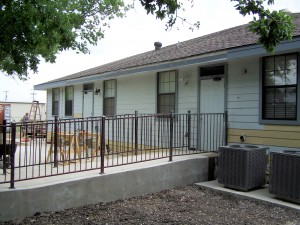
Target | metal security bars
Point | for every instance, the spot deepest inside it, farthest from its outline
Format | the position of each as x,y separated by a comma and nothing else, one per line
63,146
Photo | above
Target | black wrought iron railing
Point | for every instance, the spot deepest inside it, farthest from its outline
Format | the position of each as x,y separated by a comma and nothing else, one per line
62,146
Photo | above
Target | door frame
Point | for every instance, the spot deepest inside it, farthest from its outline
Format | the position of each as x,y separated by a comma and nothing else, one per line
199,77
224,76
83,93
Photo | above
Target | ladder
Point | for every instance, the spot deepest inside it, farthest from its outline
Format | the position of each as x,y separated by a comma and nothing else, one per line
35,111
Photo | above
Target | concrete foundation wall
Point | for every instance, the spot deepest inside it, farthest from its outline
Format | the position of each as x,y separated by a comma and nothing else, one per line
19,203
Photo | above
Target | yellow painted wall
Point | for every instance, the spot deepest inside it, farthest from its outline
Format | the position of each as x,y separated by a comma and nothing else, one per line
272,135
77,115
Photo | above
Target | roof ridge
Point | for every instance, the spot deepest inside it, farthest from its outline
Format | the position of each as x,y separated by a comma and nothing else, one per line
228,38
147,52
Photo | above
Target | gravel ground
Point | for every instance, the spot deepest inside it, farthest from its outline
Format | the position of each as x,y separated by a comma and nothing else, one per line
186,205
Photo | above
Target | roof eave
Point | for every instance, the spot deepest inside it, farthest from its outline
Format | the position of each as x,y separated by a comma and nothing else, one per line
258,50
230,54
215,57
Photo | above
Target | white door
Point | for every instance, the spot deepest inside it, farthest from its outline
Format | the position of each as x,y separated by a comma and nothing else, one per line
212,96
211,101
88,104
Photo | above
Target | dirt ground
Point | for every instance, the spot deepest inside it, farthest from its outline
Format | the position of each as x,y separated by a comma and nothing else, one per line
186,205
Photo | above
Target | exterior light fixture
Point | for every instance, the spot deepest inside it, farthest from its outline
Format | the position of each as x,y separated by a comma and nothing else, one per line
97,91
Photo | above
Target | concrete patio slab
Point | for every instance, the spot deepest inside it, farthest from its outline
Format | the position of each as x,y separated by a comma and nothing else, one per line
261,194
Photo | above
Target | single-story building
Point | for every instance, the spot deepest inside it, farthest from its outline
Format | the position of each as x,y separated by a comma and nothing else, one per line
17,110
226,71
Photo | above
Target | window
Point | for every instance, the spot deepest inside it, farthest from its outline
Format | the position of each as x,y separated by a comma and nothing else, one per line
88,87
280,87
109,106
166,92
212,71
55,101
69,95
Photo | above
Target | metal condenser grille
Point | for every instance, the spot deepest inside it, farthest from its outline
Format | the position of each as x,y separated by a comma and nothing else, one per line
285,175
242,167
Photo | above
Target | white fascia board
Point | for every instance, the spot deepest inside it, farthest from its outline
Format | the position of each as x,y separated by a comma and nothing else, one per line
153,67
210,58
45,86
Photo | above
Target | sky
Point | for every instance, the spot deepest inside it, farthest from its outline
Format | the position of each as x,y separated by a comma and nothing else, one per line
130,36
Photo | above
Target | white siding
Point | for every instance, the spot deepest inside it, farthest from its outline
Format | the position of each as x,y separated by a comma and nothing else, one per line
139,92
187,89
61,109
49,104
77,104
136,93
243,94
98,99
62,103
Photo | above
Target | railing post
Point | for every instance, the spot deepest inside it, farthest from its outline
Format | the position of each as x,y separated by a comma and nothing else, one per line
226,127
189,130
171,137
136,125
55,140
12,155
102,144
4,146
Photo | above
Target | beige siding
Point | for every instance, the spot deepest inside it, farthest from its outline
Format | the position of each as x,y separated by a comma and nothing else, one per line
279,136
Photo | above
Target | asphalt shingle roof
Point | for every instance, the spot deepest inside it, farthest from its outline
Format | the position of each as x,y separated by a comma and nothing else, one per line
226,39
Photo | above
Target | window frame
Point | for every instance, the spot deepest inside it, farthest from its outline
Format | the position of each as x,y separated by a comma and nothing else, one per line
114,98
88,87
70,100
212,71
158,94
278,121
55,101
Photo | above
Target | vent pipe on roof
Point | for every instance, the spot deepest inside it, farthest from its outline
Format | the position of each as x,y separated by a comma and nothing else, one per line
157,45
